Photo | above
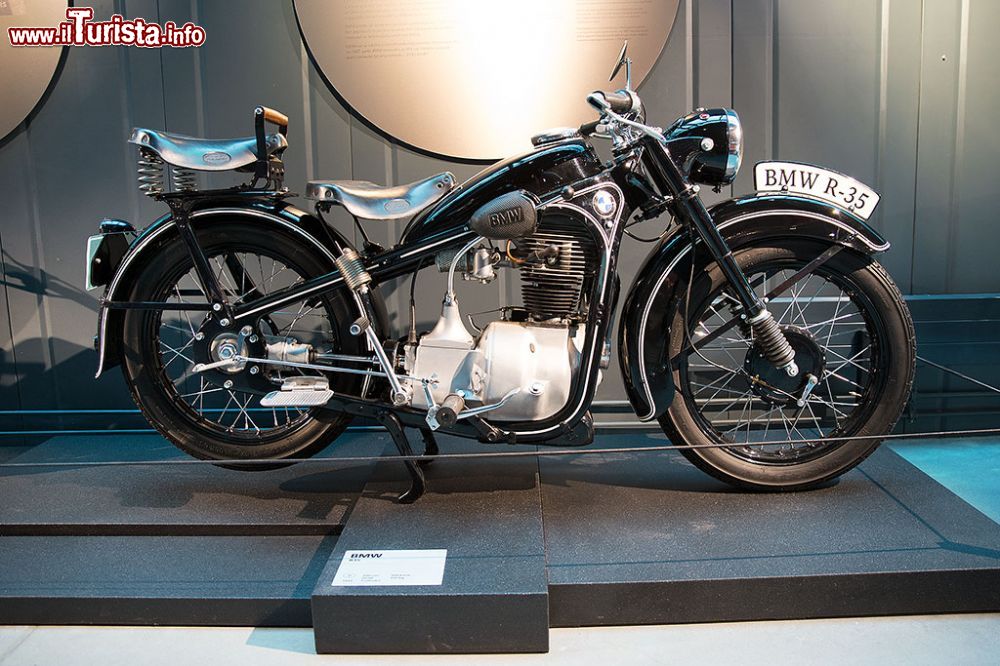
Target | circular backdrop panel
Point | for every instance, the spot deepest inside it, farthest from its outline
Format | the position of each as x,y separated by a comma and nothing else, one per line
475,79
25,72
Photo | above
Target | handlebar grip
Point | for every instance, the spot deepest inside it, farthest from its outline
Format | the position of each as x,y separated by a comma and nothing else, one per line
587,129
618,102
272,116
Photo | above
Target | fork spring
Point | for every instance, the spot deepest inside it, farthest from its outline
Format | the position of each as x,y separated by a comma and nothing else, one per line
772,340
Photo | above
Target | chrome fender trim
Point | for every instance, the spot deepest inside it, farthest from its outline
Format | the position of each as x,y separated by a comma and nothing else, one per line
852,233
144,241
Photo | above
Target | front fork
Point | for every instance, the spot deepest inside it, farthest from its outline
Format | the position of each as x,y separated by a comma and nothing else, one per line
689,208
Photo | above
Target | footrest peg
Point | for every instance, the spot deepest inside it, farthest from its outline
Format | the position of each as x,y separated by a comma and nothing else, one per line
299,392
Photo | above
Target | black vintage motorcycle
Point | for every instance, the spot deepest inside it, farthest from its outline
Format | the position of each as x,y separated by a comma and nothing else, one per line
760,333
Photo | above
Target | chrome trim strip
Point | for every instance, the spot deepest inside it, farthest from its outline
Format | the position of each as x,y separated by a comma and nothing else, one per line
642,333
659,283
424,248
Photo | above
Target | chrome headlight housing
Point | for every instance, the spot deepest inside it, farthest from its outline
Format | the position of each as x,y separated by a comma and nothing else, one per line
708,145
735,145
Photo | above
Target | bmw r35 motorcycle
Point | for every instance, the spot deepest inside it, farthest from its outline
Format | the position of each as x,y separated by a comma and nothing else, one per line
760,333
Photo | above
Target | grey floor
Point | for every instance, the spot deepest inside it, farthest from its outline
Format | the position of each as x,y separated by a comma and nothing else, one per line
943,639
969,467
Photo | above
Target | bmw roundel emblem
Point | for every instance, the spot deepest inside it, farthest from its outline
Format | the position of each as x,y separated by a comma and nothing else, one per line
604,203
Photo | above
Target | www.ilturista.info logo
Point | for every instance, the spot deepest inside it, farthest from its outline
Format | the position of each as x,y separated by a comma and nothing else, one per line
80,30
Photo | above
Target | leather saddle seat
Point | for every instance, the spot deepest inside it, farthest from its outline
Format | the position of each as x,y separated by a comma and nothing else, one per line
191,152
376,202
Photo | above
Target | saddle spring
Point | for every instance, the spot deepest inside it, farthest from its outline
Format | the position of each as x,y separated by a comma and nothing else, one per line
184,180
150,169
152,175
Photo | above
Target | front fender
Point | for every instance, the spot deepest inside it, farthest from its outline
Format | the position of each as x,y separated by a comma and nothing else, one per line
650,304
163,230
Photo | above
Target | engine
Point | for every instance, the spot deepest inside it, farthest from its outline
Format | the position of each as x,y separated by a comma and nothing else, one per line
525,368
553,289
522,367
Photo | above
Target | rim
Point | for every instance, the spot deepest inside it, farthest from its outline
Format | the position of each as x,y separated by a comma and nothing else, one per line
244,274
733,398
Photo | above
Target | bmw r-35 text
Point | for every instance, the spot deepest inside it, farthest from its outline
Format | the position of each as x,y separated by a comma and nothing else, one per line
760,333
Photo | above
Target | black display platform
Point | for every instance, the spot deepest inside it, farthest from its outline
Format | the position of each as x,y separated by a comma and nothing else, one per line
629,538
185,545
493,596
648,538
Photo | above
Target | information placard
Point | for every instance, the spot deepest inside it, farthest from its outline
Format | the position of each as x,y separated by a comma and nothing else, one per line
391,567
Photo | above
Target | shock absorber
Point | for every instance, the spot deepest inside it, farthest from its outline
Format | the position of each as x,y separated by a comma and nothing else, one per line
355,275
358,279
773,342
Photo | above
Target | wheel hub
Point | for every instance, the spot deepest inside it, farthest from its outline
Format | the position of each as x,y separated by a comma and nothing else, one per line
775,386
224,347
216,343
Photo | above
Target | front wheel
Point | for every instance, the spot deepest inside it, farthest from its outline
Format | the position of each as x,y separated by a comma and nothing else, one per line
855,350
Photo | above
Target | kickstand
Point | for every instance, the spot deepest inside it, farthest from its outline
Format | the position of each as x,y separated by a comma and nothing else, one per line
430,446
395,428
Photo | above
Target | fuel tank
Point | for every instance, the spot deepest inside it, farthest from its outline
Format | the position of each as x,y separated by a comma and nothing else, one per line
545,169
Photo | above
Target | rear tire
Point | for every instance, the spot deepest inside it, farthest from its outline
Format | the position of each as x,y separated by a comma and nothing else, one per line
885,368
148,368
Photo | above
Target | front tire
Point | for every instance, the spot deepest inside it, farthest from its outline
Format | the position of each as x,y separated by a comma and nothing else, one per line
851,330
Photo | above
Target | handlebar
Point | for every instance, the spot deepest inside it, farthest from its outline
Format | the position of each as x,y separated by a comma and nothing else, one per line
619,111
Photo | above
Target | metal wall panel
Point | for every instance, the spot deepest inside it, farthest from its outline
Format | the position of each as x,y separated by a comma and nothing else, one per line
896,92
64,170
955,233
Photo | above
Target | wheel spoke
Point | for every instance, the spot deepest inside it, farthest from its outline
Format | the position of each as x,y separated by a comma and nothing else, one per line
178,353
851,360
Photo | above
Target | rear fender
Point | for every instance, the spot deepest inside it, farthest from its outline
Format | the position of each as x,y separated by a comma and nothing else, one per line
163,230
651,302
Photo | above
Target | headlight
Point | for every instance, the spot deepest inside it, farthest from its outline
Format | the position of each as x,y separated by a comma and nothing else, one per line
714,162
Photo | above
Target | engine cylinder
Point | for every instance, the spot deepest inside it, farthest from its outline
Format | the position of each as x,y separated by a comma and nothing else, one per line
554,290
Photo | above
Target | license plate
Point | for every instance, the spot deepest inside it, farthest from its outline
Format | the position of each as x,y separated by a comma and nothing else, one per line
813,181
93,243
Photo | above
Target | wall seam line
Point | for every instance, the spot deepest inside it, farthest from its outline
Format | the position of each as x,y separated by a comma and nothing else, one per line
958,156
774,55
10,325
307,120
883,92
916,148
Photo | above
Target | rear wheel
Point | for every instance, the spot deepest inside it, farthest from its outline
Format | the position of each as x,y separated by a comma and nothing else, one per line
217,414
854,344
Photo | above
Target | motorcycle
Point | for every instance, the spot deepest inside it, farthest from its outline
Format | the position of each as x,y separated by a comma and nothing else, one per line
760,333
